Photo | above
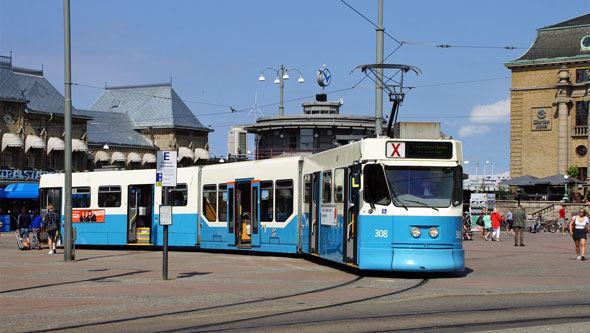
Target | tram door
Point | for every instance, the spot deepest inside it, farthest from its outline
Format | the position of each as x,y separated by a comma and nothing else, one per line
351,193
314,213
246,216
50,196
231,221
139,214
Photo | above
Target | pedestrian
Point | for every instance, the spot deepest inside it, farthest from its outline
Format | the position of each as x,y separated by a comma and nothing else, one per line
496,223
519,217
579,228
487,224
36,227
562,220
509,219
52,227
480,222
23,224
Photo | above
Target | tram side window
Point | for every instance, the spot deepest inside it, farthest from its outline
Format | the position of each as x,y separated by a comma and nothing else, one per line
375,185
222,201
339,185
284,203
109,196
327,188
175,196
266,202
210,202
80,197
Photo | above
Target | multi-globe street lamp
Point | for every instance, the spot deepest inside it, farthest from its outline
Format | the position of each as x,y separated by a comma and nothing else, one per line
282,75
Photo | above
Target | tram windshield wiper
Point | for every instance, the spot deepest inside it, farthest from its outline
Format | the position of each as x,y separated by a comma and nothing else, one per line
423,204
395,197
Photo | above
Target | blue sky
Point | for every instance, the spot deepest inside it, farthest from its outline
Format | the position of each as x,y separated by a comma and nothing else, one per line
214,52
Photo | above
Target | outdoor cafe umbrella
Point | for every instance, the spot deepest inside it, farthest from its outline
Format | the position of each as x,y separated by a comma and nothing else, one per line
520,181
557,180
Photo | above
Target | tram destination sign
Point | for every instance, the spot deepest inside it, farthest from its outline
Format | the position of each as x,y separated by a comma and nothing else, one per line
419,149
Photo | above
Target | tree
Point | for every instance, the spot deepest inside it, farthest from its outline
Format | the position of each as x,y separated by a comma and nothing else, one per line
573,171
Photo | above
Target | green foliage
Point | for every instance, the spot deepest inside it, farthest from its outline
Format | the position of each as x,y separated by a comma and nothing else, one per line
573,171
501,194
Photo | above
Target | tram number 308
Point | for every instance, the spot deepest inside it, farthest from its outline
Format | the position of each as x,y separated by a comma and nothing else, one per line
380,233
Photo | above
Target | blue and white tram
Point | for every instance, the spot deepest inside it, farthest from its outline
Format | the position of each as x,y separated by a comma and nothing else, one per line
377,204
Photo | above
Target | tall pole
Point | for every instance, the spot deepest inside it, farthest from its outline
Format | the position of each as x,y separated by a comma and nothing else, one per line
379,87
68,136
281,107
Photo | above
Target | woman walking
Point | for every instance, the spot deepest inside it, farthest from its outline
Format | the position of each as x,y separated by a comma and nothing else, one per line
496,223
487,224
579,227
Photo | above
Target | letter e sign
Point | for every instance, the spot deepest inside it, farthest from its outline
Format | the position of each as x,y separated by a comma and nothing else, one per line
395,149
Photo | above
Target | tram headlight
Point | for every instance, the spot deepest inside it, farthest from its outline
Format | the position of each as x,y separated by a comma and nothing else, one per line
433,232
415,232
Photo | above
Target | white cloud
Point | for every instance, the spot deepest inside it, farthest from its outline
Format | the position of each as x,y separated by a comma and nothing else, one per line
498,112
473,130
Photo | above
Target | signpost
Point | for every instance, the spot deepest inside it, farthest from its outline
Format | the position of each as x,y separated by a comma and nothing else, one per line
166,164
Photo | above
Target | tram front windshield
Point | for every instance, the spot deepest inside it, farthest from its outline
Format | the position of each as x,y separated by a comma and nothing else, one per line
423,186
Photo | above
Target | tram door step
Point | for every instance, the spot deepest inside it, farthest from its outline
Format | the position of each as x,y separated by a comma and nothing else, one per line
143,235
244,246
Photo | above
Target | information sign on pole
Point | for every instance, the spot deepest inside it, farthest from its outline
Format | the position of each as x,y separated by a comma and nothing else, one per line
166,168
165,215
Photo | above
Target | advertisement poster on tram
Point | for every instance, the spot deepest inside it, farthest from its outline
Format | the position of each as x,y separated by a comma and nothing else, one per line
91,215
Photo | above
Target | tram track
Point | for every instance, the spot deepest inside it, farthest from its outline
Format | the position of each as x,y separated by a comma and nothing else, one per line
215,307
198,327
421,314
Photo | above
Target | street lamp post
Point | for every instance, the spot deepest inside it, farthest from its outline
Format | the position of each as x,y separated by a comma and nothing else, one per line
282,75
565,196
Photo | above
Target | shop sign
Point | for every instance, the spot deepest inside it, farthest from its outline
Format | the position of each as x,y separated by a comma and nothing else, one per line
541,118
9,174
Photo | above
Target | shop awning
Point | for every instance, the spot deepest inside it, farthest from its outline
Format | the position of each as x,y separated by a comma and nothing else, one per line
55,144
149,158
102,156
185,152
79,145
11,140
134,157
201,154
35,142
118,157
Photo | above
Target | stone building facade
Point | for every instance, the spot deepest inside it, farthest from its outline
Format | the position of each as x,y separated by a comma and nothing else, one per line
550,93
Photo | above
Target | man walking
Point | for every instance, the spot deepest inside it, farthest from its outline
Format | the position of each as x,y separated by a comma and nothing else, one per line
562,221
519,217
510,220
23,224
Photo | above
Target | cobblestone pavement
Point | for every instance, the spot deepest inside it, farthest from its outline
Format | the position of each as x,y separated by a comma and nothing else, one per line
123,290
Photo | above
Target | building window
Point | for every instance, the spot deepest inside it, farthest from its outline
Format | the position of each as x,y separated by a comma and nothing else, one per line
581,150
581,113
109,196
210,202
10,157
582,75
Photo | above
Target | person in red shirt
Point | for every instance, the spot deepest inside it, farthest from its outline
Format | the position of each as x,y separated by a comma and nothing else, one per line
496,222
562,220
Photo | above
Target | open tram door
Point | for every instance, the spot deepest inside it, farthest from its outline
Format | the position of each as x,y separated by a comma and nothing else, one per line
139,214
50,196
244,213
351,192
314,213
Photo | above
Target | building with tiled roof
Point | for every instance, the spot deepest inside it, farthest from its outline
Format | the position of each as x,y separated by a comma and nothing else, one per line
550,94
158,113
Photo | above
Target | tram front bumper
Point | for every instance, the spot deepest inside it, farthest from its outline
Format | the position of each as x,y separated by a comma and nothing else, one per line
428,260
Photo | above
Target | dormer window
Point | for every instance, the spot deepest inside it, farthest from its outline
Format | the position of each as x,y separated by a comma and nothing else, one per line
585,43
